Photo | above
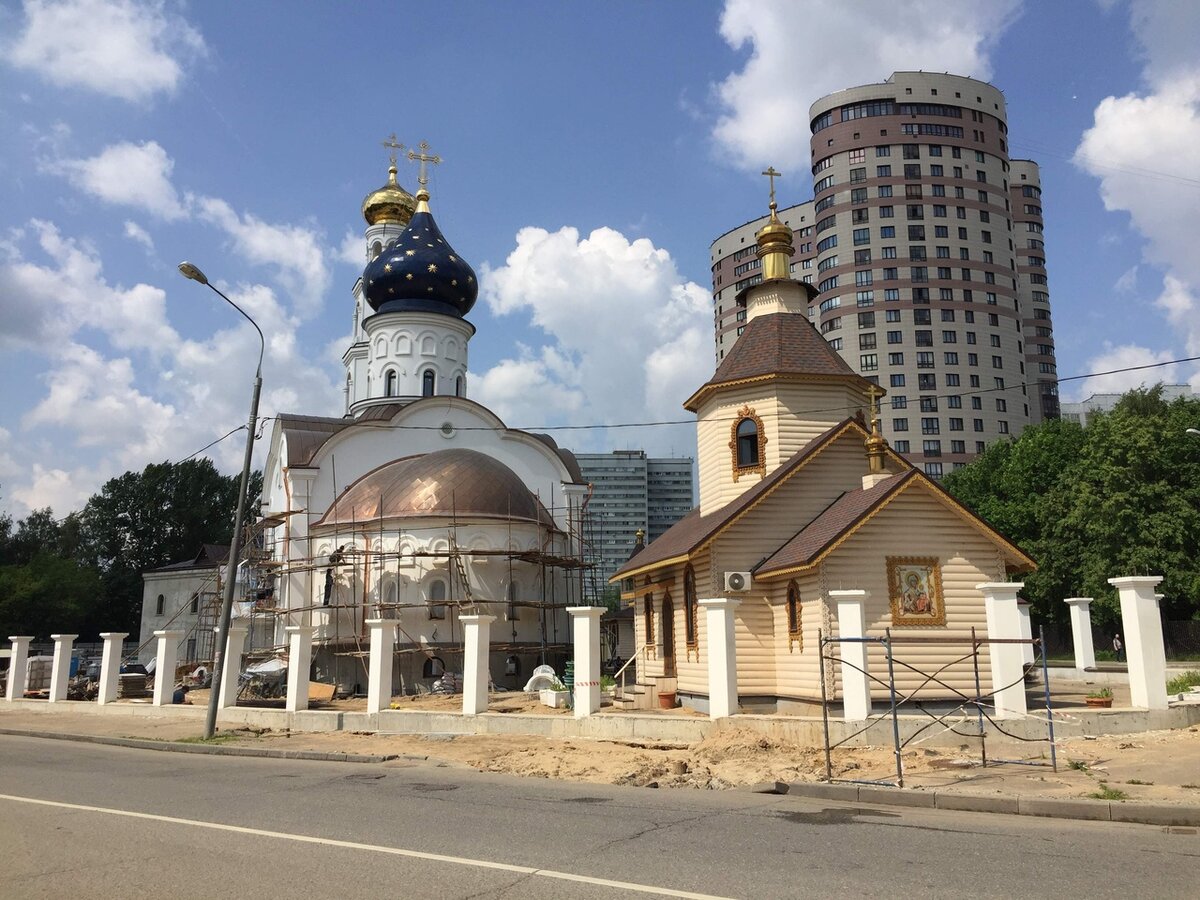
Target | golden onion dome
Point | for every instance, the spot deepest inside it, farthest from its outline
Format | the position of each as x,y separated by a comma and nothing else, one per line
391,203
775,248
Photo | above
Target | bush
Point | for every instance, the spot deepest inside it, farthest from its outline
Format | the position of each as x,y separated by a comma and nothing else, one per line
1182,683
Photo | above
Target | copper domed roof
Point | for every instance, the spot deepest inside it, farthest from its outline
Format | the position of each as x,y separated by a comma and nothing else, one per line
462,483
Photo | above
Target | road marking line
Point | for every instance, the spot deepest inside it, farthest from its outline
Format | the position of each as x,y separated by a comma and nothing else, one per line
374,848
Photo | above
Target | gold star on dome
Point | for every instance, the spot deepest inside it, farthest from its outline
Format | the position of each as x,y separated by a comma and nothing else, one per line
454,282
452,259
410,252
429,245
430,289
388,267
432,268
469,279
391,290
409,276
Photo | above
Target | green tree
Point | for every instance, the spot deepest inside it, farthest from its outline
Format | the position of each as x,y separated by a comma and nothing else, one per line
48,594
1120,497
143,520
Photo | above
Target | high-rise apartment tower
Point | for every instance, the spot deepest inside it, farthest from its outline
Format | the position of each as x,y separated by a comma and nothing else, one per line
924,240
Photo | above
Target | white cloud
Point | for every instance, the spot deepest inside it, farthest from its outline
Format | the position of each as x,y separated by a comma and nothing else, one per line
140,235
130,49
802,51
294,251
628,337
1124,357
1144,149
352,250
1127,283
126,174
58,489
43,305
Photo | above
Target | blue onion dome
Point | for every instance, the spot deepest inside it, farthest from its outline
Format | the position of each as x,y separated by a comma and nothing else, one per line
420,272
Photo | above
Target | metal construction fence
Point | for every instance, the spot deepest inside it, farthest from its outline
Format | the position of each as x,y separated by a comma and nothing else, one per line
977,707
1181,640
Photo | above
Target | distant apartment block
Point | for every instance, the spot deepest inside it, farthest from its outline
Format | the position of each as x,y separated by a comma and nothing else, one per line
925,241
1079,412
631,491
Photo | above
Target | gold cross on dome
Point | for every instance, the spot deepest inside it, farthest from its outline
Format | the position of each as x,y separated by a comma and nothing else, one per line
772,175
423,157
874,393
392,144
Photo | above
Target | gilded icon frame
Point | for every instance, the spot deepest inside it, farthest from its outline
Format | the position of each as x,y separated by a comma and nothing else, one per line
915,591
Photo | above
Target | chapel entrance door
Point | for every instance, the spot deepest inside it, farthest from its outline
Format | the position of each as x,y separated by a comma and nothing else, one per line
668,637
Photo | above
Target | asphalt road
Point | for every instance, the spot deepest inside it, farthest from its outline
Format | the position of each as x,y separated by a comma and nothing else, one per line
88,821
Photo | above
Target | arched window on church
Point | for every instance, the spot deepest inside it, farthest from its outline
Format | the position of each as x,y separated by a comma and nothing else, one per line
458,386
513,613
437,599
648,618
689,607
793,615
433,667
747,444
160,605
195,604
376,249
389,384
427,383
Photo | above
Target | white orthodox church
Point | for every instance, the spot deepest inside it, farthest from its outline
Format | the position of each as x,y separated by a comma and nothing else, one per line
419,504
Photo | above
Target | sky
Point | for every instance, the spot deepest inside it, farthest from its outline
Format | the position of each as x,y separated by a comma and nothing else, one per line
591,153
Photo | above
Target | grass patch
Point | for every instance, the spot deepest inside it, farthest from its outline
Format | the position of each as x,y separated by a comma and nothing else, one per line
1139,781
1078,765
215,739
1108,793
1182,683
1191,787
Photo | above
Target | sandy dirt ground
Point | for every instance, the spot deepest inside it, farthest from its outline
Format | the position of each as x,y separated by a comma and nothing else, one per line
1162,766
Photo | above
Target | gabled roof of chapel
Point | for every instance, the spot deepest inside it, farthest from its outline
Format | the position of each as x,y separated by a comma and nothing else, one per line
778,344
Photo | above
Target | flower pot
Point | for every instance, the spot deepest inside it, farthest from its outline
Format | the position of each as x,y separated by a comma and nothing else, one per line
1101,702
666,700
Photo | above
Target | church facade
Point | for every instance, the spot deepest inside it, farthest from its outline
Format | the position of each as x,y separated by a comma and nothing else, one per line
418,505
800,496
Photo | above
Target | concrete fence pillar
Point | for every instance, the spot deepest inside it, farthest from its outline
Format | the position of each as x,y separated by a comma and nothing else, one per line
585,621
165,662
1004,623
60,673
18,666
478,633
852,624
1141,629
231,668
299,663
722,656
110,665
380,663
1081,631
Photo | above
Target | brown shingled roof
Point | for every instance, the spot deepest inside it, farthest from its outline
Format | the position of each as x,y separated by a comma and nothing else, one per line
831,523
778,344
694,530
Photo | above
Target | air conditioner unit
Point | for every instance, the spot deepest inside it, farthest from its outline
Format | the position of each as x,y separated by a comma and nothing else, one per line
737,582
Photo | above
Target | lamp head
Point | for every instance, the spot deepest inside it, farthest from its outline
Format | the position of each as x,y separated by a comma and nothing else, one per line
190,271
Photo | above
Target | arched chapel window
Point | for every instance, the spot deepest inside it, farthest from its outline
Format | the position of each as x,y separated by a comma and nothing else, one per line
458,386
160,605
389,384
748,444
427,383
437,599
689,606
513,615
793,615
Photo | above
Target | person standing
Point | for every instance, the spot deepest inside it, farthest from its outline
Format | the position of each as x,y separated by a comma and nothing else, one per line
1118,648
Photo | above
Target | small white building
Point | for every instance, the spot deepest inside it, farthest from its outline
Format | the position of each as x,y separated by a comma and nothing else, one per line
180,597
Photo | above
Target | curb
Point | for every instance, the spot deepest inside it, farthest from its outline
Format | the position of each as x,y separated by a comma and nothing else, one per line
1095,810
205,749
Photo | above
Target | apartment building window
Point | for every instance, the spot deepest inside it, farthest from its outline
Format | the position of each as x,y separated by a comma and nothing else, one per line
895,337
951,358
931,448
930,425
954,401
866,341
1002,426
952,380
899,401
862,236
927,382
868,362
884,191
901,446
886,212
865,298
887,252
912,151
896,380
1001,405
866,320
863,277
956,424
978,424
924,338
895,359
899,424
883,151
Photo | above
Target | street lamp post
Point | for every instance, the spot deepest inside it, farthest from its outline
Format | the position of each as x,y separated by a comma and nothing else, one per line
235,544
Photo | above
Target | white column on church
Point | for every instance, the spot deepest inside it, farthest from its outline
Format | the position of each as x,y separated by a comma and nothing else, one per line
18,666
380,663
477,631
585,620
1144,648
722,656
852,627
110,665
299,663
1004,623
231,670
165,662
1081,631
60,672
